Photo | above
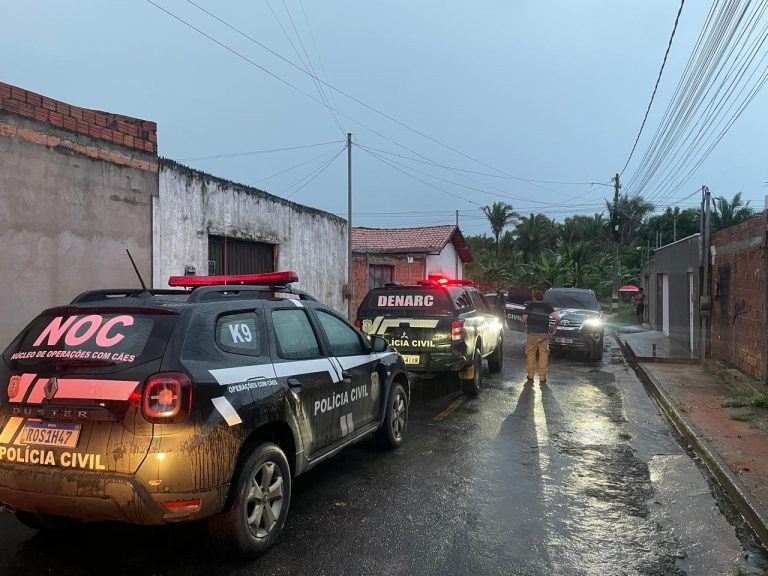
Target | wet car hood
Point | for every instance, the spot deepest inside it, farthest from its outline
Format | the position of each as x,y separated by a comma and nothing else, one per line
577,314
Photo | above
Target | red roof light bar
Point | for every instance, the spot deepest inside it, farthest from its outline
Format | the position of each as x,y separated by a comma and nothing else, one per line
267,279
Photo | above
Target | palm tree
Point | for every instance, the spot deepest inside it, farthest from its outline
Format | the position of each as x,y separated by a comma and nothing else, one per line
632,213
549,270
727,213
534,233
500,215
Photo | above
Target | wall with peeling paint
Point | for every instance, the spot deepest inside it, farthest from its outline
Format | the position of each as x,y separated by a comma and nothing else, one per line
193,204
70,204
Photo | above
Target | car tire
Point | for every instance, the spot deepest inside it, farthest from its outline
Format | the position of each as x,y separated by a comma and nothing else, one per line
45,522
261,496
596,353
392,431
472,385
496,359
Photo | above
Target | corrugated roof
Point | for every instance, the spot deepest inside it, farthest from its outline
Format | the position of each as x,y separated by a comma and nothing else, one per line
426,239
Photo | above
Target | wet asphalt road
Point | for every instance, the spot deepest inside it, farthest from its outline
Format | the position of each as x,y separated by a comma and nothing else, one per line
579,476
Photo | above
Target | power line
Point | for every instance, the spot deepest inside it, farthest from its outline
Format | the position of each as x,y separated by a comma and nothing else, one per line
312,175
291,168
656,87
335,89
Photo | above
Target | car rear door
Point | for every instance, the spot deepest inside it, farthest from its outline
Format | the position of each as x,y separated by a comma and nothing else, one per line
416,320
358,366
74,378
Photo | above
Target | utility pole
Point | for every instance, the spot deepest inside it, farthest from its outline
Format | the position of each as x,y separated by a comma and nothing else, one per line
615,231
704,304
674,224
456,274
350,285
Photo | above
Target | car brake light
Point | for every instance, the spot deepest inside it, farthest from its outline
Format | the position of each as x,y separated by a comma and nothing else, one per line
358,324
457,330
166,398
268,279
183,505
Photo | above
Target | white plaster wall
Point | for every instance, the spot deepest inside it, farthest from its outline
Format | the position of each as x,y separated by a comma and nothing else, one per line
193,205
445,262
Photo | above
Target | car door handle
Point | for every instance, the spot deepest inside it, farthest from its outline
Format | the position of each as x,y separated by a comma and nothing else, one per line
294,383
346,375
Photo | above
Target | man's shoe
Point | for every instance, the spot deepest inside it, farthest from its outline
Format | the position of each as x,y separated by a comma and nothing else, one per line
529,380
543,381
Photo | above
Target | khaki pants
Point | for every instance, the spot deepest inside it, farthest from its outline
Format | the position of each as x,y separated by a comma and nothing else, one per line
537,343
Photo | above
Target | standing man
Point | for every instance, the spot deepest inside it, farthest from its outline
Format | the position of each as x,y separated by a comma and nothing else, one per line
640,309
536,321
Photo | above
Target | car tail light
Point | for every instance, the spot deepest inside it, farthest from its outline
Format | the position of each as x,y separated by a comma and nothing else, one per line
358,324
457,330
166,398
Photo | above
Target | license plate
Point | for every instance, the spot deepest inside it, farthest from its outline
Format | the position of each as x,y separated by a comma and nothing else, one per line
561,340
411,358
60,434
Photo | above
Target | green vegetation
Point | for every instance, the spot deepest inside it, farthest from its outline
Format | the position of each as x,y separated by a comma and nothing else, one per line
748,416
536,251
755,401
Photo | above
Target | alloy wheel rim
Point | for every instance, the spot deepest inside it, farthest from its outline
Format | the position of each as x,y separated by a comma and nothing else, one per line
264,500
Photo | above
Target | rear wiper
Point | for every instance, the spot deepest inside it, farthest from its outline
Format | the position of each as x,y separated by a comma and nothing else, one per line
62,364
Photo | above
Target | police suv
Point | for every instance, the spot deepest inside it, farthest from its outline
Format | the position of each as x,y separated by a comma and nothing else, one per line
438,325
161,406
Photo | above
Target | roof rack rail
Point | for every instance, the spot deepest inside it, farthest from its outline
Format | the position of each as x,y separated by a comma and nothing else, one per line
230,291
110,293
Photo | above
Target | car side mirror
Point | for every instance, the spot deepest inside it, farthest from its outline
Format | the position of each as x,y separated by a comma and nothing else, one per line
378,343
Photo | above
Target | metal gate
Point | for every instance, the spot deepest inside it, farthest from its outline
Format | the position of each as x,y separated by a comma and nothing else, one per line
242,256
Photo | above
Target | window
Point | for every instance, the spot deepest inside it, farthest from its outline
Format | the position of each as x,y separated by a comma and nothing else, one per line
243,256
344,340
478,300
461,298
239,333
295,337
378,275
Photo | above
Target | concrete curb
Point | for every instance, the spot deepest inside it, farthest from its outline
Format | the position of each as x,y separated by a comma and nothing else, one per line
753,511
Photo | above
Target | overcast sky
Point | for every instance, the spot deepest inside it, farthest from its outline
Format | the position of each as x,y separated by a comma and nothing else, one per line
550,91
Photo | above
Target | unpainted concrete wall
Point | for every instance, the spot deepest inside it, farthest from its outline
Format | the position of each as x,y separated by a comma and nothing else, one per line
70,204
193,204
676,260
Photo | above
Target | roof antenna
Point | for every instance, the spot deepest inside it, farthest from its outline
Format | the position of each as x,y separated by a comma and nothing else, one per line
144,286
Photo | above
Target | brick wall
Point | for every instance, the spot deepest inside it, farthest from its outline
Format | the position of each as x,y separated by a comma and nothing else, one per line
124,131
738,284
403,272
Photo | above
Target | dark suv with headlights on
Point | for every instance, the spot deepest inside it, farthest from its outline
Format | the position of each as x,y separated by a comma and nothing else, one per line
581,322
165,406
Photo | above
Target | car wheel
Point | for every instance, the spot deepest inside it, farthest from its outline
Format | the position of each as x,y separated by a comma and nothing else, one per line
596,353
496,359
392,431
472,385
261,497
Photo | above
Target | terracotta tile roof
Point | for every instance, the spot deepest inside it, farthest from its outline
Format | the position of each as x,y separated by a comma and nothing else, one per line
427,239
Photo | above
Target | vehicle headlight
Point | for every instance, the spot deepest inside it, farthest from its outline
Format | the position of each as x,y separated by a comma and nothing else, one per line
593,323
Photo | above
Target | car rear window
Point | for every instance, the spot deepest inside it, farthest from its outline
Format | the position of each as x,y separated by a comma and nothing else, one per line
113,336
406,301
581,300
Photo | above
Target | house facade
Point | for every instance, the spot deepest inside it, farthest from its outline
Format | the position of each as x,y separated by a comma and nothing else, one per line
77,188
671,281
406,255
739,289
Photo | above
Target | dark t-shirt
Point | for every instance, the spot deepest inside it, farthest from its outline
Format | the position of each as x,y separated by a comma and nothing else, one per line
538,316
